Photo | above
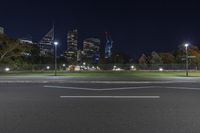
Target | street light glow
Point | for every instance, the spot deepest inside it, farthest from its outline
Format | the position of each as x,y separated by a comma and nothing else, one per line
55,43
186,45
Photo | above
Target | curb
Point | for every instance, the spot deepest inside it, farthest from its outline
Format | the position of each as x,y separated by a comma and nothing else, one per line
101,82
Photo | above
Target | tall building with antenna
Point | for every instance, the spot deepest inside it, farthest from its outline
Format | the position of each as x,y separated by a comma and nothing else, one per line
109,45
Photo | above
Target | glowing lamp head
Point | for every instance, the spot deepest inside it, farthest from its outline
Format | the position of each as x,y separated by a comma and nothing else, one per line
186,45
55,43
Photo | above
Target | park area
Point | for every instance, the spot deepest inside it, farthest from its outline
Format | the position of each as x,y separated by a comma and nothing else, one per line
146,73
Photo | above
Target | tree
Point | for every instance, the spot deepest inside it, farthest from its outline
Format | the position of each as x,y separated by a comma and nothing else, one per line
11,48
120,58
167,58
143,60
194,51
155,58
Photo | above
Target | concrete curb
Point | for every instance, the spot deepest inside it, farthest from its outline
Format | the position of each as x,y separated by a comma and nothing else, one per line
100,82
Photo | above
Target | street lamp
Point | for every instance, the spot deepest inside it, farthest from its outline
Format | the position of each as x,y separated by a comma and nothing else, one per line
186,54
55,50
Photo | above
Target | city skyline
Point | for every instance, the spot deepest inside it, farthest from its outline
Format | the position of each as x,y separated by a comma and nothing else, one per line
99,66
155,25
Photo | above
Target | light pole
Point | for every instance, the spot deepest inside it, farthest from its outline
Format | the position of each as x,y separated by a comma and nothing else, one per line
55,51
186,57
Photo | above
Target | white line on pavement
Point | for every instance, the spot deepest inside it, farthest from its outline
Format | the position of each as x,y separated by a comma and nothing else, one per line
103,89
117,97
182,88
122,88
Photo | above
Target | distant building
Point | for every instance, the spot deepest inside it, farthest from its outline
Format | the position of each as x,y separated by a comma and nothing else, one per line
91,47
1,30
109,45
46,44
79,57
28,41
72,46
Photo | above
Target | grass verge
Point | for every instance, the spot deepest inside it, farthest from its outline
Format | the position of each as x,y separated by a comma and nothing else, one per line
105,73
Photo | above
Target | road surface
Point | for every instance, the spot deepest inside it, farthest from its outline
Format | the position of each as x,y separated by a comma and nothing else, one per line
92,105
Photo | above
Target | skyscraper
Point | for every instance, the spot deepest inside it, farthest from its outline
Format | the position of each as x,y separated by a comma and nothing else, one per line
109,45
91,47
1,30
72,43
46,43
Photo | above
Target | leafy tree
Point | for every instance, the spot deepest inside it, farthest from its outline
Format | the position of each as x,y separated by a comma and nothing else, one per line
35,54
194,51
143,59
120,58
167,58
11,49
155,58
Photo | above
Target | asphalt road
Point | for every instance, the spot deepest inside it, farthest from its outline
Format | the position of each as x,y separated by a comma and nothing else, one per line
151,105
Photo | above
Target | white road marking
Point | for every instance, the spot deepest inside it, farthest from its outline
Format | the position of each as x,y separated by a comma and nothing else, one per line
103,89
133,82
114,97
182,88
122,88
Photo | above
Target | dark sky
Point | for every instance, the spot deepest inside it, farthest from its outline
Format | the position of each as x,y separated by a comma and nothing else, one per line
136,26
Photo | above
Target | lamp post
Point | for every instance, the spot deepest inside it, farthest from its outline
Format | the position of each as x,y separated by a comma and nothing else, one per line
186,54
55,52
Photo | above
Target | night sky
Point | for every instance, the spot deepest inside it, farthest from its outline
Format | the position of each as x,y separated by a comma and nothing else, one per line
136,26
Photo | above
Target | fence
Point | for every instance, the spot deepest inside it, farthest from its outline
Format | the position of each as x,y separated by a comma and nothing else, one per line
100,67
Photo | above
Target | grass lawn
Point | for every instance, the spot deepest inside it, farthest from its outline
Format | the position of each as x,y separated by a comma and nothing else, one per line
106,73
